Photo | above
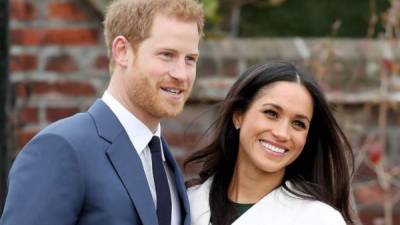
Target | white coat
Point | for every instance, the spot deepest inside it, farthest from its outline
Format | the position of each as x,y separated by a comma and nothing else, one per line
277,208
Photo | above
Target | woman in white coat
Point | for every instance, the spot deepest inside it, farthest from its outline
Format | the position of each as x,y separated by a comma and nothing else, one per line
278,156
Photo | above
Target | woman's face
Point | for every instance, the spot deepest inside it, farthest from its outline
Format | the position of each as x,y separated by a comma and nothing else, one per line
273,130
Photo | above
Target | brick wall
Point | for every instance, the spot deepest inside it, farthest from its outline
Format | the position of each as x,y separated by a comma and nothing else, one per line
59,66
58,62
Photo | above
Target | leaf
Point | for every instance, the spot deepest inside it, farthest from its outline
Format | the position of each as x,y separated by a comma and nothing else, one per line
211,10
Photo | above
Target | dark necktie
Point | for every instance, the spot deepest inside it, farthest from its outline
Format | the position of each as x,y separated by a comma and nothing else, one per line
161,182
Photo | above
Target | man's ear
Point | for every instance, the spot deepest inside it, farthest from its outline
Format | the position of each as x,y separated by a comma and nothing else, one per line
121,51
237,119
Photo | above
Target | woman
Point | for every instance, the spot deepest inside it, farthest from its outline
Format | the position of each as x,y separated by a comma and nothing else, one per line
278,155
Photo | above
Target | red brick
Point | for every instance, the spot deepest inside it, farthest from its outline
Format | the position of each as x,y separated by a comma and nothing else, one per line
69,88
66,11
182,139
37,87
21,89
23,136
67,36
23,62
21,10
28,115
61,64
74,88
230,67
53,114
102,62
26,36
77,36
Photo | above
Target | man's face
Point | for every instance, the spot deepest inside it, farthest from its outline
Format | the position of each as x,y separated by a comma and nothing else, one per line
162,70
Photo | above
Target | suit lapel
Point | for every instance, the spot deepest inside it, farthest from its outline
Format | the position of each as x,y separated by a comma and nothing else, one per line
129,168
180,185
125,161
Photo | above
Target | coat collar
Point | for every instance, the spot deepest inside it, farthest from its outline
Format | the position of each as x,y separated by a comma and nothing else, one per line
128,166
271,206
199,203
125,161
180,185
279,206
107,124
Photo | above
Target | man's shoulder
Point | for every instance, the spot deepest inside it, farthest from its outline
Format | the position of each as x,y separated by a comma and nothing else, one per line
74,129
74,124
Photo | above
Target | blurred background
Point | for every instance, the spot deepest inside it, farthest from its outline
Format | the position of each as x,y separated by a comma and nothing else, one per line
53,64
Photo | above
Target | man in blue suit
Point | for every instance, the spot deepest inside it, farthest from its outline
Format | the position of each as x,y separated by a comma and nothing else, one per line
106,166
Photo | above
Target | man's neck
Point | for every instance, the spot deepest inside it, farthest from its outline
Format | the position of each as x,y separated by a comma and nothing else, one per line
148,120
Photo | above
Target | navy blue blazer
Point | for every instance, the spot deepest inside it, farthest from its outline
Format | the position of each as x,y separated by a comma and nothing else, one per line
83,170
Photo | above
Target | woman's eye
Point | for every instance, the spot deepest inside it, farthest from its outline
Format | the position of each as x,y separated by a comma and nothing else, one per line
299,124
271,113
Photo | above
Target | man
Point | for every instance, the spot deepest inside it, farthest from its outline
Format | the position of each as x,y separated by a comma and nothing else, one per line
107,166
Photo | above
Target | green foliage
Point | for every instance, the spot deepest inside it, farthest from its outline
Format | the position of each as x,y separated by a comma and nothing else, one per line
213,18
211,10
306,18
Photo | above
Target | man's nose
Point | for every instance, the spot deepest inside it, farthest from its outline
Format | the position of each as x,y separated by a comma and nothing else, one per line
178,71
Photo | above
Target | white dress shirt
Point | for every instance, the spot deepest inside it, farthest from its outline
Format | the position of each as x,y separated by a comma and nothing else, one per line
140,136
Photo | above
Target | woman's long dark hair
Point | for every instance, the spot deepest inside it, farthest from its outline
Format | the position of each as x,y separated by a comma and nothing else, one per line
322,170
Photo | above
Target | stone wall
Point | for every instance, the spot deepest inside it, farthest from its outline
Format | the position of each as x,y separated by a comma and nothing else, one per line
59,66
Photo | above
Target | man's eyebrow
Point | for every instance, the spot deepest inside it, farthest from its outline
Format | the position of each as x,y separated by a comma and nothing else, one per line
194,53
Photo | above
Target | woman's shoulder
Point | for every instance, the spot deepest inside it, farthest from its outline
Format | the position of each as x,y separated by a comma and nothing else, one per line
200,189
199,202
283,208
319,212
315,212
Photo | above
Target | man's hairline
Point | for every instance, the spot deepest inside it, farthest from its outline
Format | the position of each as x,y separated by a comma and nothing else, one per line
135,46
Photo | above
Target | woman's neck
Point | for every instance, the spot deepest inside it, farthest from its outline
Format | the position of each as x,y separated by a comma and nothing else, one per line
249,185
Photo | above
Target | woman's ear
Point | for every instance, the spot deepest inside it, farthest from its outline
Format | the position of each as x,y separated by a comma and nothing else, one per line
121,51
237,120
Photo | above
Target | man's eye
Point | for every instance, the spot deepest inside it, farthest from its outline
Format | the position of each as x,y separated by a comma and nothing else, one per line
166,55
191,60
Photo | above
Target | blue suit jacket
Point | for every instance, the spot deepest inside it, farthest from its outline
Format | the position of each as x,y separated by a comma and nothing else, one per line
84,170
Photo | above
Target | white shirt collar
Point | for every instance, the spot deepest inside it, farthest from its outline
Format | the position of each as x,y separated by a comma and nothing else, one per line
139,134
